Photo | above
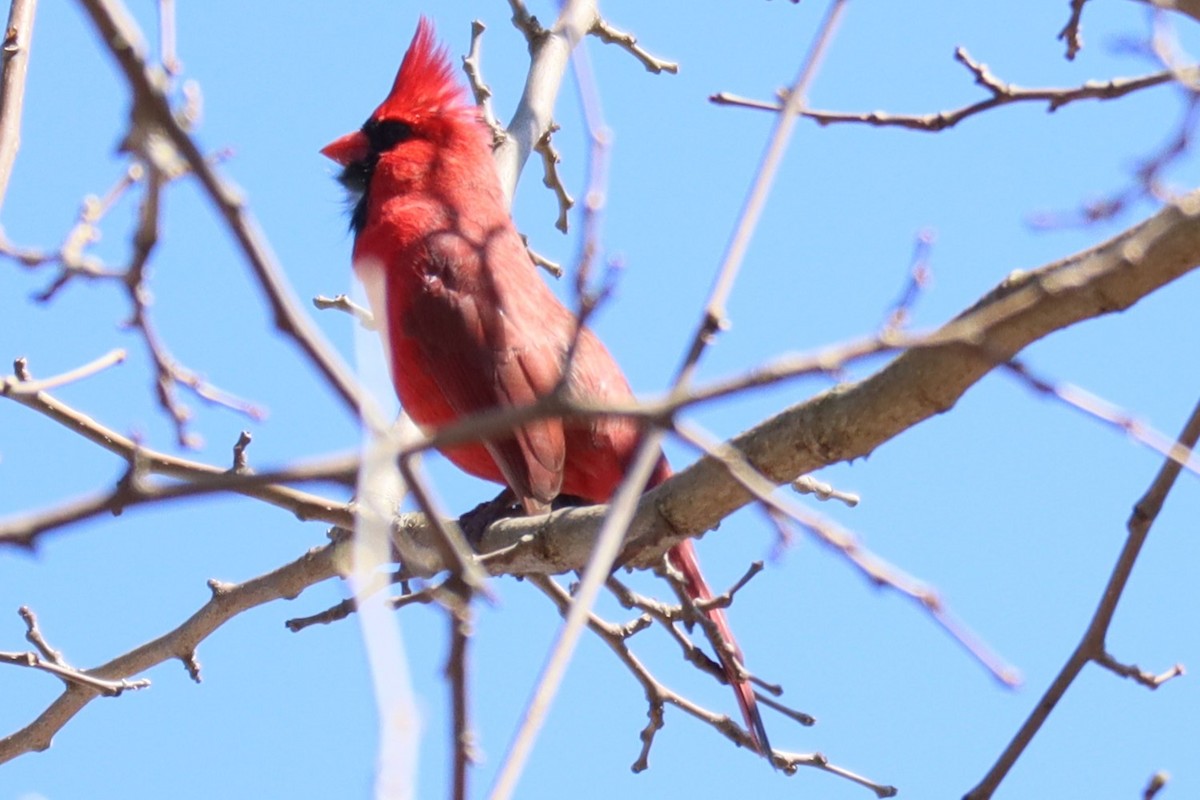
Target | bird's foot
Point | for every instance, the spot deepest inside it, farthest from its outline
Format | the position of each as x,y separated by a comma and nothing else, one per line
569,501
474,522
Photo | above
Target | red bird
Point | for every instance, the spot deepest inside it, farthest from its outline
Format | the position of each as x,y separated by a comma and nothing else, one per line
469,324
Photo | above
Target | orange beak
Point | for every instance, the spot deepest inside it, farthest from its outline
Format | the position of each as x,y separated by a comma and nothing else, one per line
348,149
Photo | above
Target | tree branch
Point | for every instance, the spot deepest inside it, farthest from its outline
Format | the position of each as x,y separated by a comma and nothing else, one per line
1001,94
851,420
549,51
152,109
228,600
17,36
1092,647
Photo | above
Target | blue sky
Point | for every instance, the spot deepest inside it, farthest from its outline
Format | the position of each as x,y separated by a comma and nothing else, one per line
1012,506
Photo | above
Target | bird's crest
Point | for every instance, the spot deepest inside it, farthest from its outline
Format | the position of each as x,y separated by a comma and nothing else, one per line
425,84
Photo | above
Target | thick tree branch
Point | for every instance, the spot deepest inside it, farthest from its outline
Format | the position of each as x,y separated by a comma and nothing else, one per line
851,420
846,422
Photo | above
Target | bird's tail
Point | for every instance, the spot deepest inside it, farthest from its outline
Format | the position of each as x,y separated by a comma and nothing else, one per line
683,558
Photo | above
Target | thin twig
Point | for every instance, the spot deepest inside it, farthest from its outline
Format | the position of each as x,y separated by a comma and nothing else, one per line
1102,411
481,91
713,319
1158,781
152,107
1092,647
343,303
1001,94
1070,32
624,502
12,385
551,179
553,267
879,572
918,279
133,489
47,659
606,33
616,636
228,601
462,739
303,505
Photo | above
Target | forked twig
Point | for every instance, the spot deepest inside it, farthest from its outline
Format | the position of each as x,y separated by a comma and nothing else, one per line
1093,647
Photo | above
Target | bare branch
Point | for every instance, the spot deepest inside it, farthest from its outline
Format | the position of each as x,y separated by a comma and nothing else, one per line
15,384
152,108
1001,94
481,91
74,261
1070,32
1136,673
616,636
1108,414
303,505
168,371
1156,784
550,50
72,257
462,738
879,572
18,34
134,490
343,303
919,274
1092,647
228,600
853,419
551,179
49,660
713,319
606,33
553,267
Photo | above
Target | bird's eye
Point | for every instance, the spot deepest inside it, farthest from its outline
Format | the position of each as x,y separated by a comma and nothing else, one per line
385,134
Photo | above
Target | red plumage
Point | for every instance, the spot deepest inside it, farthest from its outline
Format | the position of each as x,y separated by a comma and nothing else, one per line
469,324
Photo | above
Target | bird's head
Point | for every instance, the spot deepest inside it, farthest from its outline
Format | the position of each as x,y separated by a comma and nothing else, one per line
425,109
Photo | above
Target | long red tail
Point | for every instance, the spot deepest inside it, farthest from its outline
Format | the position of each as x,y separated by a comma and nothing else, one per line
683,558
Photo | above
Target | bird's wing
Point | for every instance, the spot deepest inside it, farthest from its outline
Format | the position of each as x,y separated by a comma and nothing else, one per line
486,348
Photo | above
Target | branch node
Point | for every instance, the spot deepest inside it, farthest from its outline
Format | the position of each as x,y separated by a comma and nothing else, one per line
241,465
219,588
192,664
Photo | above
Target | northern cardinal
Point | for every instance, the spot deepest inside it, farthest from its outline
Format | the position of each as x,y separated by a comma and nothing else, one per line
469,325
